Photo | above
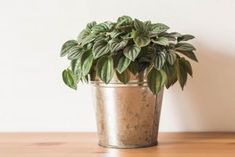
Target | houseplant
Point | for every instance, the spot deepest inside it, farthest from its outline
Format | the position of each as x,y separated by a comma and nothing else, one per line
128,62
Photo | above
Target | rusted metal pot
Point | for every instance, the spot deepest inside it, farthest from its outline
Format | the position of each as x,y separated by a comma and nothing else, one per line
127,114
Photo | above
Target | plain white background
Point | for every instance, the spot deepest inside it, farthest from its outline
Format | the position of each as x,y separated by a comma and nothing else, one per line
34,98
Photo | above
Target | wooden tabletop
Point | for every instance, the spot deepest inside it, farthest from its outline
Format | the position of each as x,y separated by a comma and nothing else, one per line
85,145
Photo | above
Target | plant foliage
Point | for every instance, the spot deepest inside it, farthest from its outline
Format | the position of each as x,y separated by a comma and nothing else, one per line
129,46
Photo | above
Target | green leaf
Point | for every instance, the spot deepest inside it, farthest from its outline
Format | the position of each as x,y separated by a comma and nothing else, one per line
133,68
187,66
189,54
175,34
67,47
184,47
159,28
131,52
102,27
105,69
161,41
115,33
69,79
123,21
91,25
181,73
86,62
171,75
100,48
75,53
117,44
124,77
140,39
187,50
163,77
171,57
185,37
83,34
159,60
88,39
154,80
123,63
76,67
140,26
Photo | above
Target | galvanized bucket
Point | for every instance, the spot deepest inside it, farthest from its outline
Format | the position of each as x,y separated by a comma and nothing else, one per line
127,114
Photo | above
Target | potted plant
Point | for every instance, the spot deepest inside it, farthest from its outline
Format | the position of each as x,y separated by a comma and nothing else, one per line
128,62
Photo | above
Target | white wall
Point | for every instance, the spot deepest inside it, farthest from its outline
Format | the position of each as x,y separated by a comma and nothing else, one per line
34,98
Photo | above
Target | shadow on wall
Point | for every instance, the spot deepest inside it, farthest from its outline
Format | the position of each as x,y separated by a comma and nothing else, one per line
211,93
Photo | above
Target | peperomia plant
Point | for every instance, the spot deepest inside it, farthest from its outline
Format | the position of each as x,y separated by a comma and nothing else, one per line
129,46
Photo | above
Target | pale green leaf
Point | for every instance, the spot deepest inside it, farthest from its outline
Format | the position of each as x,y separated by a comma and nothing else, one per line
75,53
117,44
131,52
140,39
161,41
86,62
159,60
123,63
67,47
69,78
105,69
100,48
159,28
171,57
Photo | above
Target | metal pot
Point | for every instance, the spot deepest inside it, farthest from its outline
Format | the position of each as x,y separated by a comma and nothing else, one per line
127,114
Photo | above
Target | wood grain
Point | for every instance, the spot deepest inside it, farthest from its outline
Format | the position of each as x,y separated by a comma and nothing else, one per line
85,145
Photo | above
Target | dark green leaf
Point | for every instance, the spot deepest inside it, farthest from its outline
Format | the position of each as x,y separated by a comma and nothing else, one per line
123,63
181,73
67,46
182,47
100,48
175,34
105,69
69,78
124,77
187,66
133,67
131,52
189,54
154,80
171,75
185,37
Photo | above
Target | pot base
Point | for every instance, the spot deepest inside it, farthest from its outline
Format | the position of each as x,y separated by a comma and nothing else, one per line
128,146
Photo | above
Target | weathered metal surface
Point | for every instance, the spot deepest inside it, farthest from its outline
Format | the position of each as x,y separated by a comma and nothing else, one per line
127,115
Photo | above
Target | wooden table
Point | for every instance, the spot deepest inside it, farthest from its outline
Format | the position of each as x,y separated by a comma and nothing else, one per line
84,145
